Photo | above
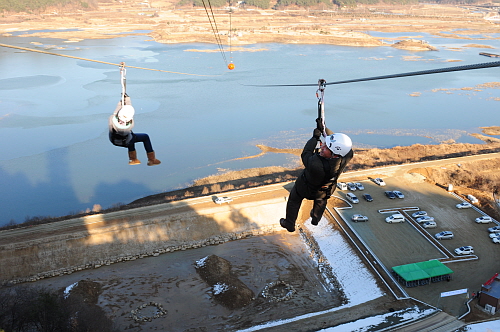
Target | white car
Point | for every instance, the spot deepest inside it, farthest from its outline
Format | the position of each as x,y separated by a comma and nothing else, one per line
424,219
444,235
495,229
419,214
429,224
395,218
484,220
496,240
359,186
359,217
379,181
465,250
352,198
464,205
494,235
220,200
341,185
351,186
398,194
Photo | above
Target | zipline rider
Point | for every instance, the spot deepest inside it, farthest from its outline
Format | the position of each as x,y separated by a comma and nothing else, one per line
120,126
318,180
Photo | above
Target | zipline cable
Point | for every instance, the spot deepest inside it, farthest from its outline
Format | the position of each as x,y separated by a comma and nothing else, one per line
104,62
415,73
215,28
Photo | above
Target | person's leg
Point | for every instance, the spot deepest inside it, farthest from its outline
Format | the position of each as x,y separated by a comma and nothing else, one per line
144,138
132,154
318,209
292,210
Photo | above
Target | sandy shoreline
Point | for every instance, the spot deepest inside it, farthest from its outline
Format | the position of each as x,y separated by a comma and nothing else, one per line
165,24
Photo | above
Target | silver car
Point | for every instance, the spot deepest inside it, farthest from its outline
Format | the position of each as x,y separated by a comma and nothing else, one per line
424,219
429,224
444,235
419,214
359,217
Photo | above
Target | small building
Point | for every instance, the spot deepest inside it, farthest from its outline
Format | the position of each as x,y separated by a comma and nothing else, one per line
422,273
490,293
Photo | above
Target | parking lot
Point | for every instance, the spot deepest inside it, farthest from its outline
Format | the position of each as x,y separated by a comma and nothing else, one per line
402,243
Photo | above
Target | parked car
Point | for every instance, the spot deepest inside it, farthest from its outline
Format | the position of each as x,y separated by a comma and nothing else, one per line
398,194
220,200
464,205
397,217
368,197
390,194
495,229
429,224
496,240
359,186
465,250
359,217
484,220
342,185
419,214
351,186
424,219
352,198
444,235
472,199
494,235
379,181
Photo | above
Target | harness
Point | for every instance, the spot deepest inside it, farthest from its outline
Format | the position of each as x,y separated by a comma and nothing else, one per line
328,180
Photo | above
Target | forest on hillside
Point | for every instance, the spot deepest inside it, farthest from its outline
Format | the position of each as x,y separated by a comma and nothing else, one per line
39,6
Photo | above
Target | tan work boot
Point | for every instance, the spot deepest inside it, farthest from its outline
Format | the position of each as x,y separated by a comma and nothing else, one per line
132,158
152,159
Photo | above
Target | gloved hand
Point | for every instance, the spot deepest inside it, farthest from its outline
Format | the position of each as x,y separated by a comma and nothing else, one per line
319,125
317,133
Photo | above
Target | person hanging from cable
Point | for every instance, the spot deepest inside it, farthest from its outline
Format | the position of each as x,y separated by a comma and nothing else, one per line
120,126
323,166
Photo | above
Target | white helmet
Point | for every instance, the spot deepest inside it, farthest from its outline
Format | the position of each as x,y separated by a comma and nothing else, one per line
126,113
338,143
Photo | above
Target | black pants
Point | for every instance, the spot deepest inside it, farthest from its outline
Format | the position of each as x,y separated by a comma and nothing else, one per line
294,203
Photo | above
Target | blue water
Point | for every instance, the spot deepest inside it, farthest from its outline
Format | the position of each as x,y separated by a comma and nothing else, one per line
56,158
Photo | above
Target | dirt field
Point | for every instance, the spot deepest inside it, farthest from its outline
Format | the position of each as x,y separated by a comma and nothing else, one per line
172,280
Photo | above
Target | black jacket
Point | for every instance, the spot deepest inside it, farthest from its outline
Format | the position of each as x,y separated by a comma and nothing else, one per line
319,178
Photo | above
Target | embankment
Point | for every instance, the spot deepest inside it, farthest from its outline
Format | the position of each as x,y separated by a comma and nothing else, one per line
29,254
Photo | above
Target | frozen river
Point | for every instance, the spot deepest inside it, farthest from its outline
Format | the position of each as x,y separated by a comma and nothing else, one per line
56,157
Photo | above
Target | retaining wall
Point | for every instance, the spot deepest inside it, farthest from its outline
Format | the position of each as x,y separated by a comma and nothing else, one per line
137,237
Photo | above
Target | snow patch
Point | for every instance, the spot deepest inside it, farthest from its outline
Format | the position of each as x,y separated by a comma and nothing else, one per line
68,289
375,322
357,282
220,288
201,262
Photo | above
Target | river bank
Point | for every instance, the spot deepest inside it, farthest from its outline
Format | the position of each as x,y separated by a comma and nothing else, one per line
166,23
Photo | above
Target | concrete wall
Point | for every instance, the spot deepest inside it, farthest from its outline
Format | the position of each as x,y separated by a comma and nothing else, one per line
136,237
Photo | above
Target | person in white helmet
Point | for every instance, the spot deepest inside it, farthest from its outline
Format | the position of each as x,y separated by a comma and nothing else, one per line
120,126
318,180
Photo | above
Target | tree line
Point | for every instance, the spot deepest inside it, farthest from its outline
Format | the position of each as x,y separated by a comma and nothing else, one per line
41,5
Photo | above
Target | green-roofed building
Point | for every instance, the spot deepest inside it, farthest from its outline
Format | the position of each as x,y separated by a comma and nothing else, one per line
421,273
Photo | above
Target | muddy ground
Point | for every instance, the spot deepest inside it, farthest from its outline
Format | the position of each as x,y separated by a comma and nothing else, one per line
172,281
